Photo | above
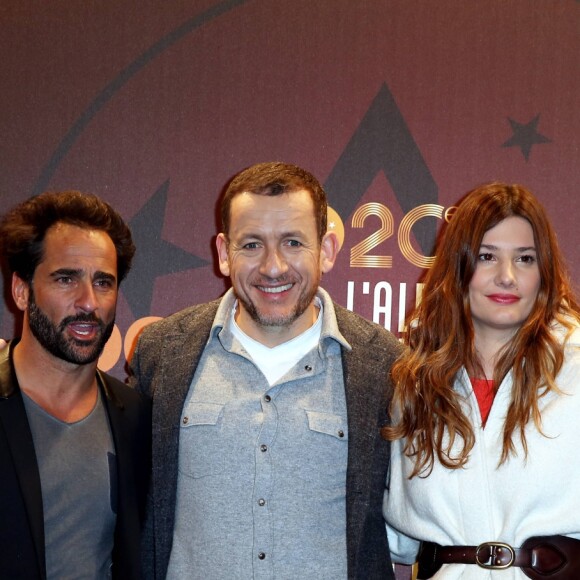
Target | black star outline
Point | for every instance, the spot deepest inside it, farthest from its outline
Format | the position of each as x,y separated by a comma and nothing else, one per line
525,135
155,257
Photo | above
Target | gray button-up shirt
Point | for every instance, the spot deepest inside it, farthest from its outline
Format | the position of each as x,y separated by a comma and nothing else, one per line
262,469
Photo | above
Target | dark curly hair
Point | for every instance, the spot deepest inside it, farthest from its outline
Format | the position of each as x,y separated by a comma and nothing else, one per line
23,229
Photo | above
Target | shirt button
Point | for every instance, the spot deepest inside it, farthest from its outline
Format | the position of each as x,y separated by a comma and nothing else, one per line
185,420
261,555
340,433
267,398
308,368
261,502
263,448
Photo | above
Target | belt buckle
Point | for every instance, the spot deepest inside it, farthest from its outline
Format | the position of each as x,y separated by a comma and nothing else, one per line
495,556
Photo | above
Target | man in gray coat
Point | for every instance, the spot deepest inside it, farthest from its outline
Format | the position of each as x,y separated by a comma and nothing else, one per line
267,406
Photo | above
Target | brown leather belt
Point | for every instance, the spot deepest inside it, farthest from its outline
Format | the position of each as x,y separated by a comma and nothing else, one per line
540,557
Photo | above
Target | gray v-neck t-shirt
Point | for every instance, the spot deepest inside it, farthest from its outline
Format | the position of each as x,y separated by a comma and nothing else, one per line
77,468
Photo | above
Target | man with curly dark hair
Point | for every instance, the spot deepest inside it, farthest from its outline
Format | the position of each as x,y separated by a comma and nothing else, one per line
73,441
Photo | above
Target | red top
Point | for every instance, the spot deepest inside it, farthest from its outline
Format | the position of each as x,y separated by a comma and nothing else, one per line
484,393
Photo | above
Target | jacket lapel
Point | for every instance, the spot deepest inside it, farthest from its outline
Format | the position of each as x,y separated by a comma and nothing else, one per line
362,403
19,437
363,407
114,409
121,440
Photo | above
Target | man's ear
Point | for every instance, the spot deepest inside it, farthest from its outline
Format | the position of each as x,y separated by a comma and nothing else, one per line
221,243
20,292
328,251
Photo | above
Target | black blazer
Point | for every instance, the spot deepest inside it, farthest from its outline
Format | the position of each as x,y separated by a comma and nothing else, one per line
21,514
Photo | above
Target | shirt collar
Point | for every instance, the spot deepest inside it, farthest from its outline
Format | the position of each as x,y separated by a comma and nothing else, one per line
222,321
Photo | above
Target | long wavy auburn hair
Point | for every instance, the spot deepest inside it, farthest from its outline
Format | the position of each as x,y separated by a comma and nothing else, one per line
426,410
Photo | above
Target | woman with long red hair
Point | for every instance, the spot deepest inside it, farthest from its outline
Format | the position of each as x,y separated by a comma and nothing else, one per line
485,466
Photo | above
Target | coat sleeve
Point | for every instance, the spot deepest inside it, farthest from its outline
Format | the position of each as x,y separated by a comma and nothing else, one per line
403,549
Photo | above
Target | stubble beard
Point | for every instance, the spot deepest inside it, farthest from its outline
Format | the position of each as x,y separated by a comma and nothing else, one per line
280,321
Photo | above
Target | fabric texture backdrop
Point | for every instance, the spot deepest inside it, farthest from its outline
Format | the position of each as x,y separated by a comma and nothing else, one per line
398,106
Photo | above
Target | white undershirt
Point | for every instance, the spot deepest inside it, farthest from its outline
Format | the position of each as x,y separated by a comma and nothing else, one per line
277,361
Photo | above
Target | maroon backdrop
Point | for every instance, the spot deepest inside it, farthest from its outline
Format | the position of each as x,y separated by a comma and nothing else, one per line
398,106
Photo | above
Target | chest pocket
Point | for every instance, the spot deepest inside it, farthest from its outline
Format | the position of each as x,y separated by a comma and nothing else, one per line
333,425
326,447
199,440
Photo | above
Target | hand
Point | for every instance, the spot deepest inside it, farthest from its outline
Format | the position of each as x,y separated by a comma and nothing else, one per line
3,343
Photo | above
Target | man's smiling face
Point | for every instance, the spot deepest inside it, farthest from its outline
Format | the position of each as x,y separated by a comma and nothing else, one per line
275,261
